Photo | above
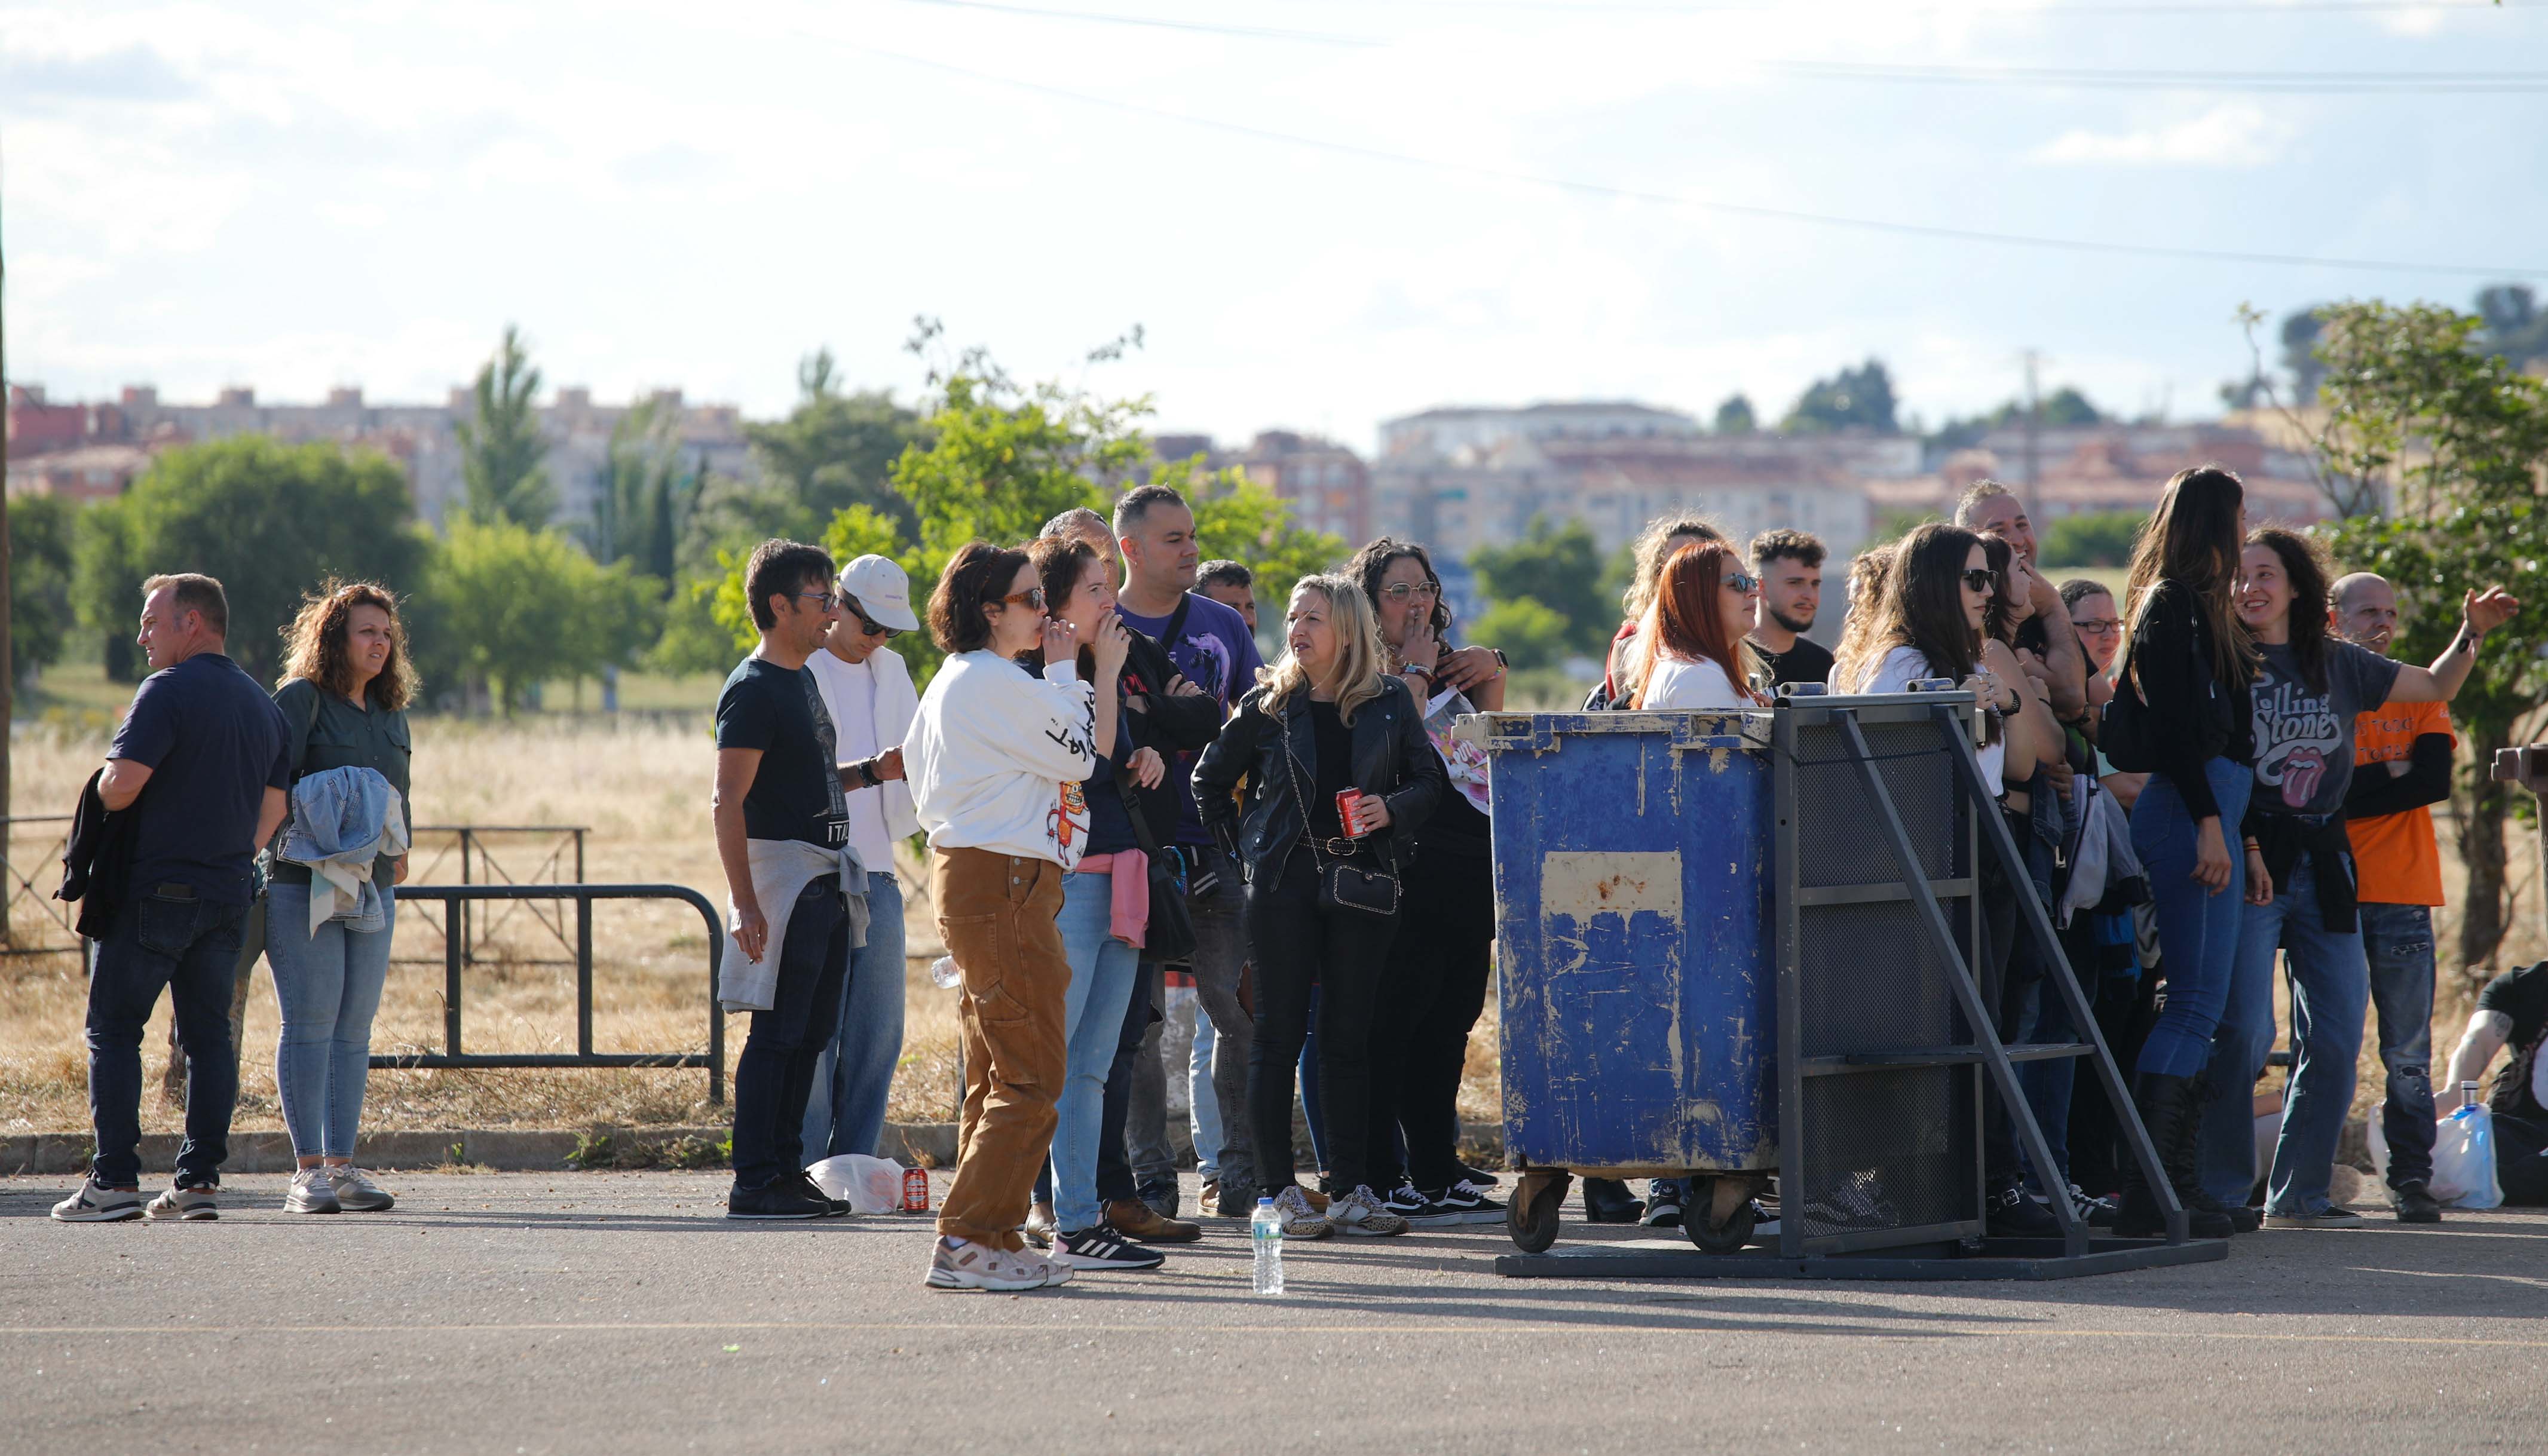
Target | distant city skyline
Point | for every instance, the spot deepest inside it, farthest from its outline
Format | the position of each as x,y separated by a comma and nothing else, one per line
1323,215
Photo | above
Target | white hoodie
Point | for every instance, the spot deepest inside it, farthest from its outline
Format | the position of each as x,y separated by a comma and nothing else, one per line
997,755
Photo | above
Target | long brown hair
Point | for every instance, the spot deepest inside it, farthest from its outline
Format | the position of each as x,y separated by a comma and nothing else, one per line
2305,567
1684,621
2192,539
1921,607
1870,581
1647,557
1060,562
318,645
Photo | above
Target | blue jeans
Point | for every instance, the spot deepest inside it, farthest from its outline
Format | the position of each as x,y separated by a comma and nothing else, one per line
853,1073
2331,992
1102,973
2198,930
328,984
2398,945
1201,1106
164,936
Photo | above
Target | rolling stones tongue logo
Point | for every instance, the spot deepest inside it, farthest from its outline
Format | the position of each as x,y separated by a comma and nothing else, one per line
2301,773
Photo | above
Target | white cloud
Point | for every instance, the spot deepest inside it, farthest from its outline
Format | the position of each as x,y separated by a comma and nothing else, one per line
2231,135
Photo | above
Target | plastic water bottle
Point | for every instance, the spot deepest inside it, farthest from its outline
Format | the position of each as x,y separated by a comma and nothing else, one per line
943,970
1266,1232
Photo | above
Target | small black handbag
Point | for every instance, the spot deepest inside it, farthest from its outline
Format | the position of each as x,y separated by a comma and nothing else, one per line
1344,885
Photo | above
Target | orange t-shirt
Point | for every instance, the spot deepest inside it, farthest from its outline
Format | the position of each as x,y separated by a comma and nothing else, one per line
2393,856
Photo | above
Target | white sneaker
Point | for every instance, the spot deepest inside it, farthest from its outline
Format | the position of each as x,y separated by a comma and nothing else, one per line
980,1266
185,1205
1360,1212
97,1204
356,1193
1299,1220
311,1192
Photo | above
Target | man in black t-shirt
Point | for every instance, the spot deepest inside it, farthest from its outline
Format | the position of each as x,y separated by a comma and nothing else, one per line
2513,1011
778,783
1789,564
199,764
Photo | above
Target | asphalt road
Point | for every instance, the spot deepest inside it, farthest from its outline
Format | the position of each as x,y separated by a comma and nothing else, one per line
616,1313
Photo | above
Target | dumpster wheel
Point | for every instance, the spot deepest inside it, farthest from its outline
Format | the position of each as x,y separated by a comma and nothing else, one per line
1720,1222
1532,1216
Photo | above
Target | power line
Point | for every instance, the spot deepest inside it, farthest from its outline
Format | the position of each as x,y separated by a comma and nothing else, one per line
1253,32
2356,83
2051,12
1738,209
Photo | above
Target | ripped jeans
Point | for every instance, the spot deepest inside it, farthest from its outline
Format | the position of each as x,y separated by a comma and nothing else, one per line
2398,941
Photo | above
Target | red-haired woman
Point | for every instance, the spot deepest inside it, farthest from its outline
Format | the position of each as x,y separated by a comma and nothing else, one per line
1694,632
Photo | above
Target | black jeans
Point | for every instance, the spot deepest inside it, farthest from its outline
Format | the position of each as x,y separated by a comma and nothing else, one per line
1296,945
167,936
775,1074
1429,1000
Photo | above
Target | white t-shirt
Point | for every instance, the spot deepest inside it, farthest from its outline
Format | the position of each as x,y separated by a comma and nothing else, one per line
1674,683
848,695
1901,668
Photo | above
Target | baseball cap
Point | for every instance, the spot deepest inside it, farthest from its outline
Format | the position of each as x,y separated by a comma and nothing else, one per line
882,590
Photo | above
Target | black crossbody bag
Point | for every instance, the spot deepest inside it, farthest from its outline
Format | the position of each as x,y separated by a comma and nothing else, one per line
1169,938
1342,883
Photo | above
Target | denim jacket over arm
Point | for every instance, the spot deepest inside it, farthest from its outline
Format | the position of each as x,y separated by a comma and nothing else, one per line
1392,758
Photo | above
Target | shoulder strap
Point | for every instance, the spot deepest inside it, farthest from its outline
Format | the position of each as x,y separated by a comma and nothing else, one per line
1176,620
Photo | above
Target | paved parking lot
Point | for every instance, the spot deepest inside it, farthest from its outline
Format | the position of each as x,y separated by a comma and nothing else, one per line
595,1311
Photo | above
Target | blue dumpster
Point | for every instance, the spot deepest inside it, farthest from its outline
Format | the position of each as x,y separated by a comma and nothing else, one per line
1634,946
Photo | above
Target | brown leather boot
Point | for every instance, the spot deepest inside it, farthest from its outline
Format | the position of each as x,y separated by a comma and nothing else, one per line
1142,1224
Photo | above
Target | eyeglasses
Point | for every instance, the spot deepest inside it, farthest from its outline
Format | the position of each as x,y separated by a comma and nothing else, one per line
2099,626
1982,579
868,624
1031,599
1398,592
822,599
1744,582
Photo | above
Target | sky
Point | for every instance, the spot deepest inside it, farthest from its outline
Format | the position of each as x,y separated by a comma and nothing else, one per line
1319,213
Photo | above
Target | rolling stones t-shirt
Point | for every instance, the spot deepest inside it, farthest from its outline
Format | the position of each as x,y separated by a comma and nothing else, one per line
2305,736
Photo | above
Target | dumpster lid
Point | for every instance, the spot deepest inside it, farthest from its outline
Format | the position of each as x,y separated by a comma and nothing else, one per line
1695,730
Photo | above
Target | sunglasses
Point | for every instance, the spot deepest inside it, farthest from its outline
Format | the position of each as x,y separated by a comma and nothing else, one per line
1743,582
868,624
1982,579
822,599
1031,599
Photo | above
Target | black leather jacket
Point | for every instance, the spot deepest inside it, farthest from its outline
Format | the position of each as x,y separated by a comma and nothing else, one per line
1392,758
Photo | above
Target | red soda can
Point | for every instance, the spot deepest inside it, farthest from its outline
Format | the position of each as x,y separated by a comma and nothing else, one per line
914,1190
1348,803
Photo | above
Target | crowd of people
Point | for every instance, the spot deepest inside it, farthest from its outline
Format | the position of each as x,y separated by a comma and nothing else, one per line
1127,808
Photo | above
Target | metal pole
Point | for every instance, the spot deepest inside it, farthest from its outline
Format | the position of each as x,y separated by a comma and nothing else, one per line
451,911
467,952
2528,767
579,857
584,975
716,1022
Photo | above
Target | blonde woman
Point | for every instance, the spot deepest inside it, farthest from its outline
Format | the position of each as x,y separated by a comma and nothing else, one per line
346,686
1325,724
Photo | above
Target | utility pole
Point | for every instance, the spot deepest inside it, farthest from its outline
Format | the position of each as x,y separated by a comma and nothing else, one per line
2034,423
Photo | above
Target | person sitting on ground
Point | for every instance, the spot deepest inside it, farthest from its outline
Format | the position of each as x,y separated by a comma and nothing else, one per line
997,756
1789,564
1663,536
345,689
2511,1011
1323,726
200,762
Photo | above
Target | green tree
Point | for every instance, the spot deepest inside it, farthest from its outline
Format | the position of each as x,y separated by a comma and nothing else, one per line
268,520
1734,417
502,456
643,497
2443,443
1853,399
40,581
1560,569
2098,538
1531,634
515,607
837,450
1244,520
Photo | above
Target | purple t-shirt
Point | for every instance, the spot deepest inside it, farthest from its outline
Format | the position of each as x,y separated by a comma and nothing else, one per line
1216,653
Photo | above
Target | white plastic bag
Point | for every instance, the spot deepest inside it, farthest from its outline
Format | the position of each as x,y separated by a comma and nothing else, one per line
2464,1160
873,1185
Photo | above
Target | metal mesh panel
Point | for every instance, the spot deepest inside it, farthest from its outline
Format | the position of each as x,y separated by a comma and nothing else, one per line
1906,1002
1889,1149
1835,843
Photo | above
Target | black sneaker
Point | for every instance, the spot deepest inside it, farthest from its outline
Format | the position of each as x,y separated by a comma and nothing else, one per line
2415,1203
834,1208
1101,1247
1480,1176
1663,1203
2011,1214
1419,1210
779,1198
1467,1203
1608,1201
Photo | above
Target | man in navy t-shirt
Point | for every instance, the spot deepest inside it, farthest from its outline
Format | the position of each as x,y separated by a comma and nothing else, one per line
200,763
1212,646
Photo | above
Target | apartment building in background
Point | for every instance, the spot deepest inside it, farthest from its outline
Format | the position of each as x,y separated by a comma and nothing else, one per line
1326,485
2117,467
86,451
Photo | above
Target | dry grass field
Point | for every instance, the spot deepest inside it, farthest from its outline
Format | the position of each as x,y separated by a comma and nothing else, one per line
641,786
